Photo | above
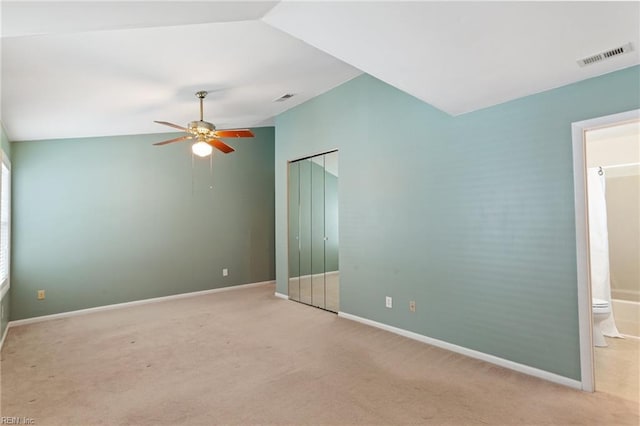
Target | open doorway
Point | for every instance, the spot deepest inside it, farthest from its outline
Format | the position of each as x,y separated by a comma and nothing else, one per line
607,188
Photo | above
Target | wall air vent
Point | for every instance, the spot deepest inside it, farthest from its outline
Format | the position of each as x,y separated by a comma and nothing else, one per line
283,97
602,56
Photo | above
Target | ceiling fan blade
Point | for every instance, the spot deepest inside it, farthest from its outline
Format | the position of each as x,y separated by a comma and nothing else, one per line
181,138
175,126
220,145
234,133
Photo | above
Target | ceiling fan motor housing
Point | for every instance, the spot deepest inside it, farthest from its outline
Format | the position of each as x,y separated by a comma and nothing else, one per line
201,127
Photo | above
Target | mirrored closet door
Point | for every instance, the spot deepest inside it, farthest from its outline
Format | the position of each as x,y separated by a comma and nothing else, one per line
313,231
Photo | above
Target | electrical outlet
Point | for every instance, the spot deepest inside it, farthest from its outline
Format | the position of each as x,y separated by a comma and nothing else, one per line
388,302
412,305
225,272
41,294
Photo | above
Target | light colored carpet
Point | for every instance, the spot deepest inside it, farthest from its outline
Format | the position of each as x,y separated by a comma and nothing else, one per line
618,368
246,357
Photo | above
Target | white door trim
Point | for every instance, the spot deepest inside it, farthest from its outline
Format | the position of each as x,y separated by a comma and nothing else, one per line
578,130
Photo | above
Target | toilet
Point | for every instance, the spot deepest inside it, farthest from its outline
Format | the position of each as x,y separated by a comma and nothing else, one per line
601,311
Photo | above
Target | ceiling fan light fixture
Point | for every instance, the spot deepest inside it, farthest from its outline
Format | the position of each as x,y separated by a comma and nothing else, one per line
201,149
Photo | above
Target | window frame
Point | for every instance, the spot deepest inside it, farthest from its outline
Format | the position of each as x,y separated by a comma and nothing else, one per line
6,284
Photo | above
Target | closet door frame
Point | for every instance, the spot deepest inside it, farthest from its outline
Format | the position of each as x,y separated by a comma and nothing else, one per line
289,163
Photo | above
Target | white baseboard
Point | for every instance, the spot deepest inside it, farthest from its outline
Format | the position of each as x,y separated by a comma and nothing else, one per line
469,352
281,296
134,303
629,336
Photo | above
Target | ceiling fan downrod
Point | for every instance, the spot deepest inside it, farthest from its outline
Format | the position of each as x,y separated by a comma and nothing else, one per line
201,95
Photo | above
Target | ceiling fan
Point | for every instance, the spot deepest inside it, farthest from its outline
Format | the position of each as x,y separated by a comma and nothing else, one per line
206,134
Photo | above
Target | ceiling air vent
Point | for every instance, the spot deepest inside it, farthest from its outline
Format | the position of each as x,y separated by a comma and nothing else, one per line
605,55
283,97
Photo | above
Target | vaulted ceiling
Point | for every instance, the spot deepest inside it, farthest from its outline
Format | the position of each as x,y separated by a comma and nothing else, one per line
75,69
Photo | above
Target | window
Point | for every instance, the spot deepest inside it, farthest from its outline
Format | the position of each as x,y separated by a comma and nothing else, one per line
5,221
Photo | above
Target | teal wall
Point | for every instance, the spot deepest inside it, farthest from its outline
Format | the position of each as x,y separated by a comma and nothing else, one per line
106,220
470,216
6,300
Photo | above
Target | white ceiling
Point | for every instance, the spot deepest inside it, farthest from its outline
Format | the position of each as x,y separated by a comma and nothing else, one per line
23,18
79,81
463,56
73,69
